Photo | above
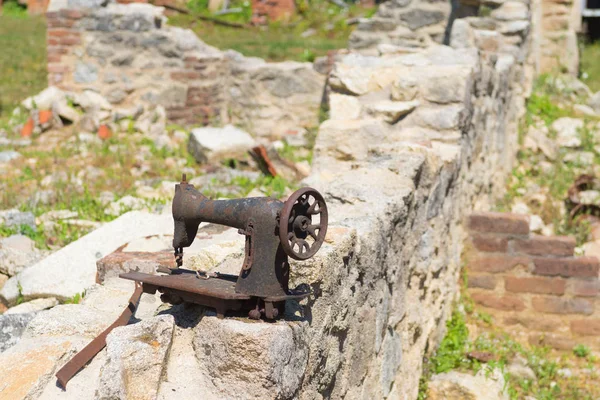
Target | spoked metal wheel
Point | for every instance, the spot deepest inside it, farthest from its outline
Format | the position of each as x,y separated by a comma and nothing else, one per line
303,223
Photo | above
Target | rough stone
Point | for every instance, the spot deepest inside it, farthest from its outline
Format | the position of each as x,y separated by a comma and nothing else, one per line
12,328
136,358
32,306
16,218
9,155
209,145
511,10
567,130
594,102
252,359
16,253
85,73
391,111
456,385
72,269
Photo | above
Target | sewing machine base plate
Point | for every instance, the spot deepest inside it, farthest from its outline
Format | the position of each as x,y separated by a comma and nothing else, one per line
217,293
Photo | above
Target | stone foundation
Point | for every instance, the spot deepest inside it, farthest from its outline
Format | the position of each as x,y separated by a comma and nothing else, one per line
533,285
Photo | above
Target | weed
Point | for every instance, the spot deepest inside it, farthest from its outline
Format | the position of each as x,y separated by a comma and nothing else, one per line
76,299
581,351
451,353
20,297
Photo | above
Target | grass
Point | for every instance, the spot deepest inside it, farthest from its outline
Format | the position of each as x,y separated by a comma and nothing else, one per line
23,57
590,67
280,41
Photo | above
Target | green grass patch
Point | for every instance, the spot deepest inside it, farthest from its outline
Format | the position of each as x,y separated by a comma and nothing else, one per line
590,67
22,57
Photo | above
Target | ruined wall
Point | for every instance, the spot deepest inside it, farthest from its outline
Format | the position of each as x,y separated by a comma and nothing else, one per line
131,56
533,285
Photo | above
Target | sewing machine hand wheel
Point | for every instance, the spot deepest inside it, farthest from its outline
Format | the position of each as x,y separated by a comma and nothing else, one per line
300,235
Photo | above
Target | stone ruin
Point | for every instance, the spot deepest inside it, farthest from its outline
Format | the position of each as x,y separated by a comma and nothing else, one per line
419,134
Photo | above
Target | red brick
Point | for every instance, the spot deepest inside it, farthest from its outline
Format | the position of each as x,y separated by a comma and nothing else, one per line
59,32
585,288
582,267
72,14
544,324
53,58
104,132
545,246
497,263
535,285
61,23
44,116
490,243
52,42
494,222
586,327
57,68
186,75
554,341
70,40
556,305
51,15
504,303
57,50
482,281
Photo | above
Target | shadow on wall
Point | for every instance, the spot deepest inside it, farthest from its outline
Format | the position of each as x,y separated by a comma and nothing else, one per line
461,10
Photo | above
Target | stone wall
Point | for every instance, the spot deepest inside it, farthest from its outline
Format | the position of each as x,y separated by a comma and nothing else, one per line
131,56
417,138
533,285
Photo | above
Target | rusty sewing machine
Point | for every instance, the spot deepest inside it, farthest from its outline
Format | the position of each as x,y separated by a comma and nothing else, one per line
274,231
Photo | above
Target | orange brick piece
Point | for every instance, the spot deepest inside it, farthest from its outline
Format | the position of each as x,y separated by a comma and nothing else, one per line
494,222
555,305
582,267
104,132
545,246
45,116
504,303
586,327
535,285
496,263
27,129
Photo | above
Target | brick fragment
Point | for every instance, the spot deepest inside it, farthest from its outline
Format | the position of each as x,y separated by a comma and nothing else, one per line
27,129
545,246
504,303
536,285
186,75
482,281
544,324
554,341
59,32
72,13
57,68
70,40
497,263
555,305
586,327
490,243
585,288
582,267
104,132
495,222
44,116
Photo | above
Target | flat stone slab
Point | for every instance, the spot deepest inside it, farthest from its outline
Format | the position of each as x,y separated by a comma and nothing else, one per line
72,269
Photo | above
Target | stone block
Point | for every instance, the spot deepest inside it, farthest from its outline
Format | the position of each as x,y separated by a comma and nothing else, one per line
545,246
504,303
497,263
586,327
516,284
555,305
458,385
215,144
140,261
482,281
247,359
72,269
580,267
136,358
494,222
489,243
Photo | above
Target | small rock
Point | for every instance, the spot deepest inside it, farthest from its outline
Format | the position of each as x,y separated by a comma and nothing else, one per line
565,372
57,215
128,113
391,111
164,141
125,204
594,102
45,99
584,111
106,197
12,328
91,101
582,158
457,385
308,33
33,306
209,145
521,371
536,224
589,197
67,113
567,130
520,208
136,358
16,253
14,217
8,155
